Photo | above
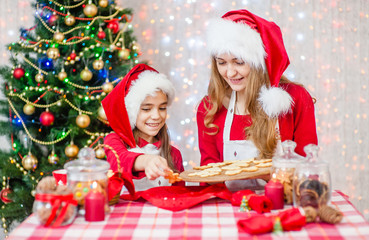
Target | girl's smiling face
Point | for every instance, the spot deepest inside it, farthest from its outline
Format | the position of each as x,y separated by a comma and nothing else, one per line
152,115
234,70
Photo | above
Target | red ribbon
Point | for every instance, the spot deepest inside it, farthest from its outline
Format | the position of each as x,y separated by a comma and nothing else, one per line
56,201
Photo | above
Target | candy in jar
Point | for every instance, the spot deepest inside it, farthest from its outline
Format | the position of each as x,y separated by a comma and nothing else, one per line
87,174
312,181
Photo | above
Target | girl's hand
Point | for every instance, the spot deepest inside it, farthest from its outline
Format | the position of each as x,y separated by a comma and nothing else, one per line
153,165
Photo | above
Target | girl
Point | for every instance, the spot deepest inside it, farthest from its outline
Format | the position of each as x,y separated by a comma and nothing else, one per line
136,110
250,106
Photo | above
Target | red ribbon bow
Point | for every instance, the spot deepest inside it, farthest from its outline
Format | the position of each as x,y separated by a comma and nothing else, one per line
56,201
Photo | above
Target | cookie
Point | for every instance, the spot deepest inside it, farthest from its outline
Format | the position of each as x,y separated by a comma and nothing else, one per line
250,169
263,165
233,172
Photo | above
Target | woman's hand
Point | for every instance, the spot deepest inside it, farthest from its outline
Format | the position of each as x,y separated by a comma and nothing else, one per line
153,165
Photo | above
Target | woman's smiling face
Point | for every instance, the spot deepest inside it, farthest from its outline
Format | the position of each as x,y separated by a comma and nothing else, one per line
234,70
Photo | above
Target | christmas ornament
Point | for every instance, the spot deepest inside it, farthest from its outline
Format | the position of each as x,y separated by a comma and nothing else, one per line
53,158
103,3
98,64
136,47
107,87
101,34
83,120
58,36
90,10
53,53
46,63
29,162
69,20
244,207
124,54
29,109
18,73
4,195
101,113
71,150
39,77
72,56
62,75
52,19
114,26
86,74
47,118
100,153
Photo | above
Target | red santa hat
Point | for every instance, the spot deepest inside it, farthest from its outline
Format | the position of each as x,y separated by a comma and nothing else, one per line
259,43
122,105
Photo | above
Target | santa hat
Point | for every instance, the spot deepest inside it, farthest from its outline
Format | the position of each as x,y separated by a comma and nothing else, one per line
259,43
122,105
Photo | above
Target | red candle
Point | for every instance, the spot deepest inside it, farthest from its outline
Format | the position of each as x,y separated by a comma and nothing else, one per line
274,191
94,206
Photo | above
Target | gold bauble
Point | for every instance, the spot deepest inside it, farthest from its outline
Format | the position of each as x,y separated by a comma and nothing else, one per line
39,77
53,53
90,10
100,153
58,36
124,53
53,158
69,20
83,121
101,113
71,150
62,75
107,87
136,47
29,109
29,162
103,3
98,64
86,74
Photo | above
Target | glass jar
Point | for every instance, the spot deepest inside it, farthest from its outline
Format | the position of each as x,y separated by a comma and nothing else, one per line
312,181
283,168
86,174
59,199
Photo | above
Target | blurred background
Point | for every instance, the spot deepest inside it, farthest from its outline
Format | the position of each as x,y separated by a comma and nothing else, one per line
327,42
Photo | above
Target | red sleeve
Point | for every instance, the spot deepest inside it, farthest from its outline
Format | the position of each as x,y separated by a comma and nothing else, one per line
302,119
207,143
178,163
126,157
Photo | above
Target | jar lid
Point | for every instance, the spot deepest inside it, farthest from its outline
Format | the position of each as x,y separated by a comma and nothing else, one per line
86,167
288,158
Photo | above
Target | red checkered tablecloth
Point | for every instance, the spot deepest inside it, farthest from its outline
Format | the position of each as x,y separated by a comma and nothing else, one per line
213,219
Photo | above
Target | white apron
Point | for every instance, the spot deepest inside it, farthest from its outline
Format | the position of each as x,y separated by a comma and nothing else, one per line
144,183
239,150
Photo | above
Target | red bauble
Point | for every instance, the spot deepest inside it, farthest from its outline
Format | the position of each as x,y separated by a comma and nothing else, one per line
52,19
4,195
114,26
101,34
47,118
73,56
18,73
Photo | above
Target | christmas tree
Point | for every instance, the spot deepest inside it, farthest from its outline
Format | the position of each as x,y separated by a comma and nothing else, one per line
61,69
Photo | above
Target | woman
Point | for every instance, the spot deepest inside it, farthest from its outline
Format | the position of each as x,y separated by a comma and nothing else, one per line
250,106
137,112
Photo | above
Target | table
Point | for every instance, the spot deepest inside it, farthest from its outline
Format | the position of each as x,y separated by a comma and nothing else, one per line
213,219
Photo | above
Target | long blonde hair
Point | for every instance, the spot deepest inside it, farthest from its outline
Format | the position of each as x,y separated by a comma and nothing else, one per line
165,149
262,130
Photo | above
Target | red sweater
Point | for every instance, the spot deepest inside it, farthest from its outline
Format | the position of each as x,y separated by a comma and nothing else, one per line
128,158
298,125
